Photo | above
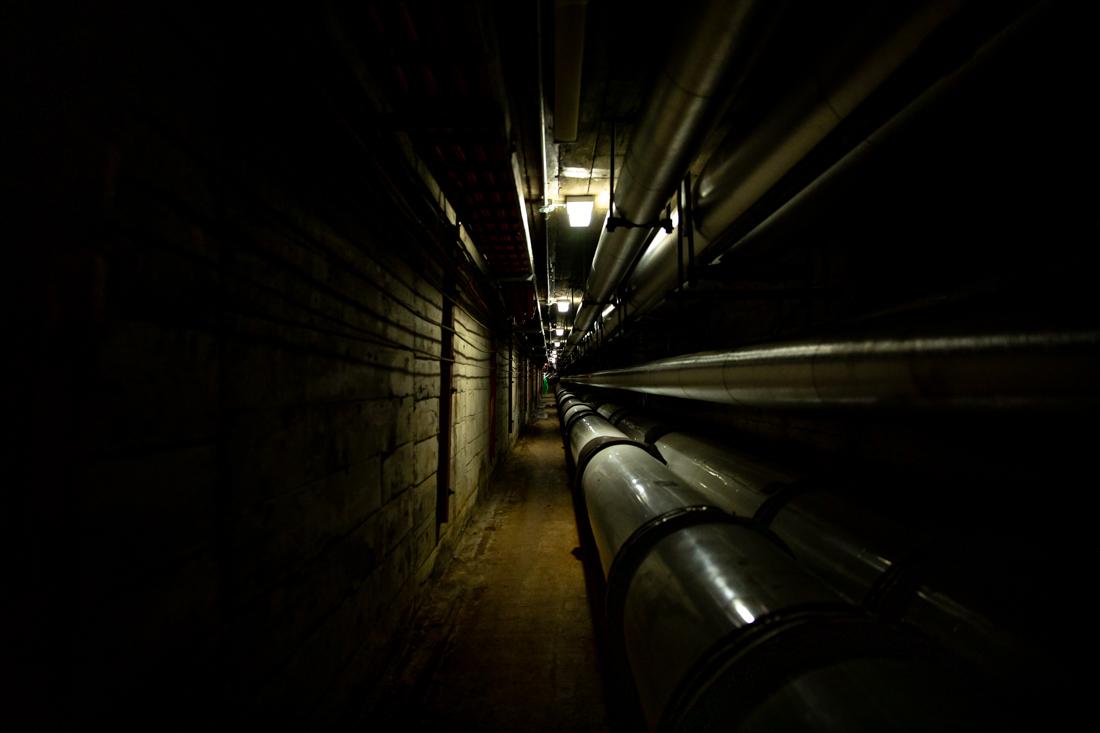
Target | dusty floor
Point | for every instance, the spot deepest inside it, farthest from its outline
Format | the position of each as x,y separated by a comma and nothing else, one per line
506,640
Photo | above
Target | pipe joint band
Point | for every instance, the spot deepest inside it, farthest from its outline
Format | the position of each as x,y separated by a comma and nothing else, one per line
594,446
567,427
742,669
641,541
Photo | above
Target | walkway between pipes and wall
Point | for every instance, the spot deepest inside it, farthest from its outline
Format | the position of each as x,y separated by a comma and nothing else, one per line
505,641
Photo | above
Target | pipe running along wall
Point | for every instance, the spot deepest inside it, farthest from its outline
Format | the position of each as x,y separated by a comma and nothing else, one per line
987,371
718,620
864,557
721,39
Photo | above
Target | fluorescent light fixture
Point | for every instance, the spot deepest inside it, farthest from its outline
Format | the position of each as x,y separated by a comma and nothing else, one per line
574,172
579,209
559,331
563,306
608,309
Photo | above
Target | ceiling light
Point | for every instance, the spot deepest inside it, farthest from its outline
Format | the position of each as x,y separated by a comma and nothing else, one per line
608,309
559,331
603,199
573,172
579,209
563,306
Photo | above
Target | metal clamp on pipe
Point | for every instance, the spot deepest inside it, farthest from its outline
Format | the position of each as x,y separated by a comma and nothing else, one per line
574,414
594,446
637,546
757,678
564,405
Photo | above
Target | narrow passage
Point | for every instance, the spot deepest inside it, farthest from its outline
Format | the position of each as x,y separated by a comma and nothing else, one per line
505,640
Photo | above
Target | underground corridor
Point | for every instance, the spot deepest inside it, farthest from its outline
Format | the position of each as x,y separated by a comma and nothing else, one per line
555,365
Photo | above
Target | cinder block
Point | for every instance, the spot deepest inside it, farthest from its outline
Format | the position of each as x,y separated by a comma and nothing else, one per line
426,457
423,501
397,470
276,537
425,418
403,420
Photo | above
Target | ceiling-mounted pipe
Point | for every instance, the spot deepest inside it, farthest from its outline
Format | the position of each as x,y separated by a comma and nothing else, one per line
743,168
721,40
983,371
569,22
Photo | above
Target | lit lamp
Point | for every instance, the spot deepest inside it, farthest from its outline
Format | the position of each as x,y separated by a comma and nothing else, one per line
563,306
579,209
559,331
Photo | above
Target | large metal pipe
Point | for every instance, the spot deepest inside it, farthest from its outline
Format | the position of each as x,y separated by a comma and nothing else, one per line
744,168
982,371
862,556
731,480
680,110
717,619
719,622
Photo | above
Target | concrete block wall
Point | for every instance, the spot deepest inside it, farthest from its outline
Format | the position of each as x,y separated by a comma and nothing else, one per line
227,387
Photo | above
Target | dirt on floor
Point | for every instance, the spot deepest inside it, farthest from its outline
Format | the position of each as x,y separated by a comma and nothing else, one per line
508,638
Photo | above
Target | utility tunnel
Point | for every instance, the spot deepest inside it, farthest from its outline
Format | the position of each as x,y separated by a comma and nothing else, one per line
563,365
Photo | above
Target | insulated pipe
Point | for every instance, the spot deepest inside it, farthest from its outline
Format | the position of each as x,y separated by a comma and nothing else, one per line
573,414
679,112
731,480
848,549
987,371
837,543
717,619
570,402
742,169
718,622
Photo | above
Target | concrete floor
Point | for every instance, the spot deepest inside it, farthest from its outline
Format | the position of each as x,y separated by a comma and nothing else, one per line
506,640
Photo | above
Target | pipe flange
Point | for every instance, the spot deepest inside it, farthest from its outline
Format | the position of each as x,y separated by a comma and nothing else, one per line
594,446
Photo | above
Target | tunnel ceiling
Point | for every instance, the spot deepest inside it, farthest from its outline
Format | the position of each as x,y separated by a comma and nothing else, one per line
472,84
462,80
440,67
